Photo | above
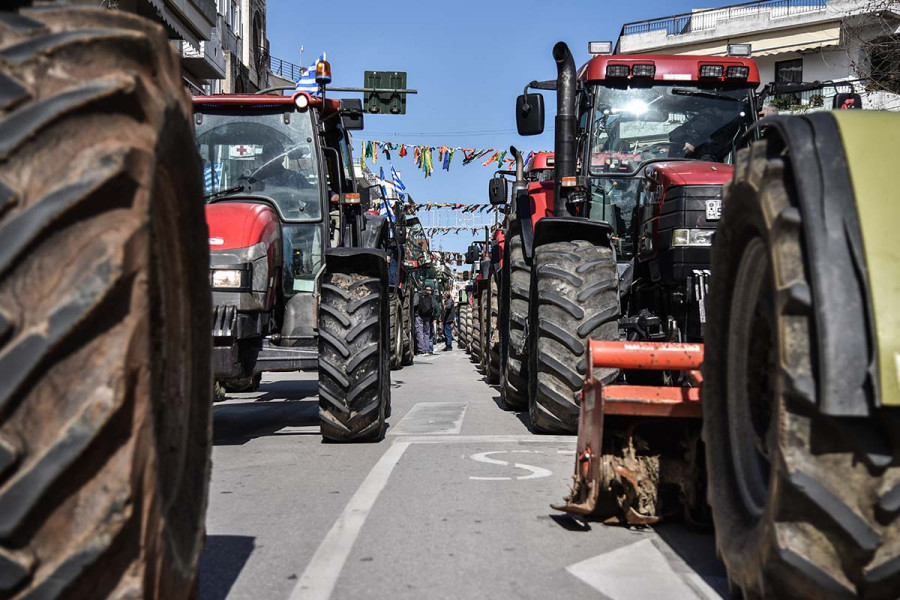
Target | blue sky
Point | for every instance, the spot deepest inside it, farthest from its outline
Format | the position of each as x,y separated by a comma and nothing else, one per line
468,60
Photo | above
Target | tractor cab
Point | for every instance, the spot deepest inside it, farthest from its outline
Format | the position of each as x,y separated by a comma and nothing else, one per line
539,167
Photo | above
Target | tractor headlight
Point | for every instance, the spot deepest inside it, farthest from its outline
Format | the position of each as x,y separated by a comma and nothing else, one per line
228,278
692,237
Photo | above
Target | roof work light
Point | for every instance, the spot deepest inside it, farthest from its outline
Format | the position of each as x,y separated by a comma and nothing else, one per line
739,49
600,47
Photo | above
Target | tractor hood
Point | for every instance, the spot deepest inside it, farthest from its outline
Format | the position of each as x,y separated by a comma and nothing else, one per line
234,225
688,172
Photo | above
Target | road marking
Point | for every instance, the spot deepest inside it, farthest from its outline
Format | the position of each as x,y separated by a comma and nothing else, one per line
300,429
324,569
432,418
491,439
536,472
322,572
638,570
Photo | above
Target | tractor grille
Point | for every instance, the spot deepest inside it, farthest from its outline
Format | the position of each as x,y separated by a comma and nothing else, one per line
224,320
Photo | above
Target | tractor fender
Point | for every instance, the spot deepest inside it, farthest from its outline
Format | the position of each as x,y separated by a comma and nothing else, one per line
375,232
369,261
562,229
845,323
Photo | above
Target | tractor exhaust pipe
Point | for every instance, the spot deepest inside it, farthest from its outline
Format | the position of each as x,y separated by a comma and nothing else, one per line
564,140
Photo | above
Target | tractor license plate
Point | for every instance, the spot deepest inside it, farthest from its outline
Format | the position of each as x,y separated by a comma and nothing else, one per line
713,210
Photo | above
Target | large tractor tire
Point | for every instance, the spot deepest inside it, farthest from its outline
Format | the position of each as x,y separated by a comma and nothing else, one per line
242,386
409,333
575,298
468,328
396,316
800,509
354,359
492,322
105,348
475,351
514,380
461,325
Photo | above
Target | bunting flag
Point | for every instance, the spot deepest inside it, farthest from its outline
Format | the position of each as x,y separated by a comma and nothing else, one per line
424,159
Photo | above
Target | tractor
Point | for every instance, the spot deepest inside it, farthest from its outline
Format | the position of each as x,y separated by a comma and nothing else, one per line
298,262
800,388
596,252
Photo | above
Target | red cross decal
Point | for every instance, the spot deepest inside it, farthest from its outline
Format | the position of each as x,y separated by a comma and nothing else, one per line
242,150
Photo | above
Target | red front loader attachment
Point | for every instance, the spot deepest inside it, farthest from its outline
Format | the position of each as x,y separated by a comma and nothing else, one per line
646,463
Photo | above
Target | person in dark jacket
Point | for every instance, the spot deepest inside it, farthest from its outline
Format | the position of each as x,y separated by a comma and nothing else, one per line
425,322
448,317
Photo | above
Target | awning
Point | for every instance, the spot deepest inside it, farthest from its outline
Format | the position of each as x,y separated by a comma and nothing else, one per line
173,22
769,42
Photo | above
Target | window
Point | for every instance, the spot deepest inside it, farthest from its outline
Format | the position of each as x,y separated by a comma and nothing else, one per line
789,71
236,18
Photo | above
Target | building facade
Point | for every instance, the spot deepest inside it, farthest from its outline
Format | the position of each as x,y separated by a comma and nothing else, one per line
791,41
222,43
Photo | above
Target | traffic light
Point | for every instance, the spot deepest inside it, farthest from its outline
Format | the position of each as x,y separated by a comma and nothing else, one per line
385,102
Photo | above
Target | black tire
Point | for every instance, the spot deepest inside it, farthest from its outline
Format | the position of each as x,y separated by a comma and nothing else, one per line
239,386
492,335
574,290
514,381
396,339
800,509
475,351
105,351
467,326
409,332
354,360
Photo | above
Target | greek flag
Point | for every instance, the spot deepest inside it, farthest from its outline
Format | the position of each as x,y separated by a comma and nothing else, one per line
307,82
385,209
398,185
212,177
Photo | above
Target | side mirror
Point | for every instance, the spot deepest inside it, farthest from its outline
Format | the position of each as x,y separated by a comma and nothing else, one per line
530,114
472,255
351,114
846,102
498,191
365,198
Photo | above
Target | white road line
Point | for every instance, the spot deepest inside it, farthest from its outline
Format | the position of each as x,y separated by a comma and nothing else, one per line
432,418
322,572
490,439
638,570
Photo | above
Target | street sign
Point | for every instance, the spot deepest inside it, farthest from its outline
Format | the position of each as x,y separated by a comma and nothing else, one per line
388,100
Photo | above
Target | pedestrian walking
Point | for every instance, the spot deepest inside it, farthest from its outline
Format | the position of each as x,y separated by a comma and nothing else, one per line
425,322
448,316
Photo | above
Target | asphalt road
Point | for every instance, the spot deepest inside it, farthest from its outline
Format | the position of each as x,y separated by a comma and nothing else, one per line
454,503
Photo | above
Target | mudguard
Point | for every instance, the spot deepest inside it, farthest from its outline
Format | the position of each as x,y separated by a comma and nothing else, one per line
845,328
561,229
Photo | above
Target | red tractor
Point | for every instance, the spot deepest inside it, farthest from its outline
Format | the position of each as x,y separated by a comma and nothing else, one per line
616,246
298,267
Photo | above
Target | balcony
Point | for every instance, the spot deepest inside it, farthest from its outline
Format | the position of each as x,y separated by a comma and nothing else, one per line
817,20
284,69
702,20
206,60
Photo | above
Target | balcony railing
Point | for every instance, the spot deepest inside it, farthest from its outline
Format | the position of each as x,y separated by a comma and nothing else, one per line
285,69
702,20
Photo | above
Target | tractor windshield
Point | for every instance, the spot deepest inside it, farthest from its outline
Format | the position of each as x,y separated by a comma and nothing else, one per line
634,124
270,157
